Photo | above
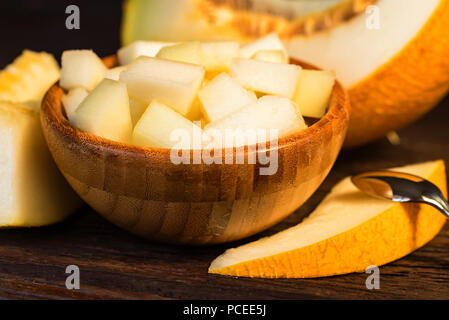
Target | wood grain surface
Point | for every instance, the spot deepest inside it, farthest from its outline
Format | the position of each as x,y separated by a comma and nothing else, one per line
115,264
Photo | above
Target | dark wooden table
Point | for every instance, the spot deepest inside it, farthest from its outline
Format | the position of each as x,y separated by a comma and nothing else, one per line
115,264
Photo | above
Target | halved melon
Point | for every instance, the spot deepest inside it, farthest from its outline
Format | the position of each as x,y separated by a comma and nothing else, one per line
347,232
395,73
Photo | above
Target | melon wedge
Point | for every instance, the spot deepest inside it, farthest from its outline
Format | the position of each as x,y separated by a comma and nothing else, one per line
28,77
395,73
32,191
347,232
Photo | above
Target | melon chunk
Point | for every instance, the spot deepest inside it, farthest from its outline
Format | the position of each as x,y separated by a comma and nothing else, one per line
314,91
222,96
105,112
128,54
218,56
348,232
32,190
72,100
114,73
159,125
269,112
269,42
172,83
266,77
187,52
81,68
275,56
136,108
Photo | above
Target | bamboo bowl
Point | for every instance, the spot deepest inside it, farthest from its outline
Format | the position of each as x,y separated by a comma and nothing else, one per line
139,189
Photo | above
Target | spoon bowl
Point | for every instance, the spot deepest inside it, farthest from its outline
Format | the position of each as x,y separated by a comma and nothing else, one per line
401,187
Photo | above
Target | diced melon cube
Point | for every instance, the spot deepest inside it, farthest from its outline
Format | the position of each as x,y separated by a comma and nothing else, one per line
267,113
128,54
222,96
136,108
187,52
275,56
269,42
172,83
72,100
314,91
105,112
159,127
81,68
217,56
266,77
114,73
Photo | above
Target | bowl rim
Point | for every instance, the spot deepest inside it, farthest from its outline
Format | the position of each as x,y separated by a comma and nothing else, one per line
53,114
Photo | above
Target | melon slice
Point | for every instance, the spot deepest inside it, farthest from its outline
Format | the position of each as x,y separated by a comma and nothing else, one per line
266,77
269,42
32,191
128,54
275,56
313,92
172,83
267,113
187,52
217,56
222,96
28,77
346,233
72,100
114,73
81,69
159,127
404,71
105,112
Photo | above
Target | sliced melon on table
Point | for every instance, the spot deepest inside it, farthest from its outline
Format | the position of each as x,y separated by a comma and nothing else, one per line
347,232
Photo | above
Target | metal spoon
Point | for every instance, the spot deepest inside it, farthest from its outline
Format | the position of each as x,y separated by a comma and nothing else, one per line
401,187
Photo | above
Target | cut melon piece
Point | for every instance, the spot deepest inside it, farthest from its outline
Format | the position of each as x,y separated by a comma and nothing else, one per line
105,112
404,71
114,73
187,52
81,69
172,83
314,92
159,127
218,56
267,113
222,96
32,191
266,77
136,108
275,56
269,42
28,77
128,54
72,100
347,232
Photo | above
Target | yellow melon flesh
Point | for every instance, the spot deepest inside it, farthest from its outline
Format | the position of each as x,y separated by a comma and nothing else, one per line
32,191
347,232
395,73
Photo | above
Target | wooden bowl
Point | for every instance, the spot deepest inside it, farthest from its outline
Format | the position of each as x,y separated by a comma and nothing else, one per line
141,190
